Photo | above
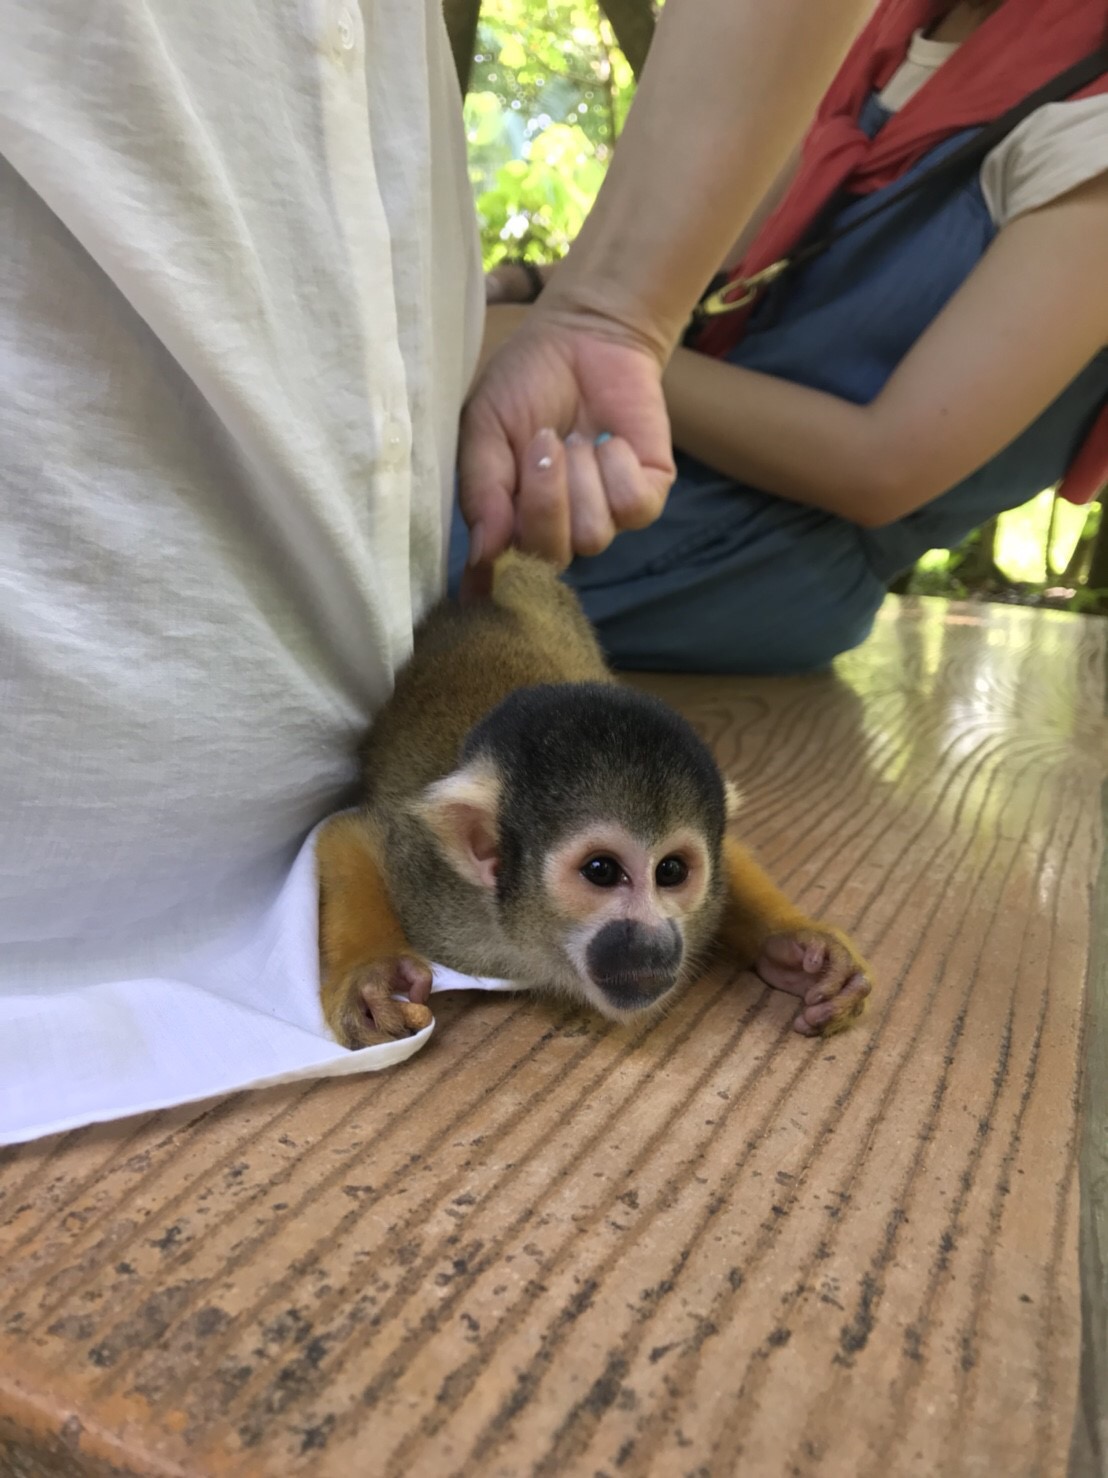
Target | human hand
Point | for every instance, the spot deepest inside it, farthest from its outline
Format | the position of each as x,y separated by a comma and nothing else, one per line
565,441
515,281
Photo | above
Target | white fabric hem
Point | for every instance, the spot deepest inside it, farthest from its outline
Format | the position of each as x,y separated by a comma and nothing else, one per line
252,1020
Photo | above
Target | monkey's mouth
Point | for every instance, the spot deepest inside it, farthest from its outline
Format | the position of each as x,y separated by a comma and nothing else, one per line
634,990
632,965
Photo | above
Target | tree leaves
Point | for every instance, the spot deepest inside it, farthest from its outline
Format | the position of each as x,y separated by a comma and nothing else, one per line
549,92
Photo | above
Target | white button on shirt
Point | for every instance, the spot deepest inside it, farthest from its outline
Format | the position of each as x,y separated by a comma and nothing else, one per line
347,28
239,309
397,443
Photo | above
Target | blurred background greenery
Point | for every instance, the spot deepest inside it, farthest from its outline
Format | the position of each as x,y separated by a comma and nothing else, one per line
548,84
549,88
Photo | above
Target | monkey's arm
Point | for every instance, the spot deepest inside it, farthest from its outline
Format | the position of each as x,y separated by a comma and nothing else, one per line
788,950
365,959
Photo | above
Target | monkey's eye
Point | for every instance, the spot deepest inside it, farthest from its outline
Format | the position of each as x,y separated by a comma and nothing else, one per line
602,872
671,872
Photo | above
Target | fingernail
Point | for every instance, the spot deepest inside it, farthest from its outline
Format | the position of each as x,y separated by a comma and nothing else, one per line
476,544
602,438
574,438
544,444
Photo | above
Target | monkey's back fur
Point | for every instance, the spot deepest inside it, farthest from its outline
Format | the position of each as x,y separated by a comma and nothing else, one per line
465,661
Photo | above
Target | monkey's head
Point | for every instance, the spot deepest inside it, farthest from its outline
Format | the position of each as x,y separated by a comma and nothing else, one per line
592,817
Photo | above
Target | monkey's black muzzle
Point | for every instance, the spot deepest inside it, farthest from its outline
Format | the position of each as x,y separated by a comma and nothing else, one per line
634,964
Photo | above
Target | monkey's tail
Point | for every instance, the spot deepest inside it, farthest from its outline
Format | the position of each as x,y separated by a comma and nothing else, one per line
522,580
531,589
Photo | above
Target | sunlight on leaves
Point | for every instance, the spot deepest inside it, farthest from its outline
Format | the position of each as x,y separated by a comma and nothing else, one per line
548,96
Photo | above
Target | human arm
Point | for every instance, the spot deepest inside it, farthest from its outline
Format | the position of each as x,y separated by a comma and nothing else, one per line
764,209
742,78
515,281
1025,322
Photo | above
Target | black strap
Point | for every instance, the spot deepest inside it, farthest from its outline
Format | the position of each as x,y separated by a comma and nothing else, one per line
963,160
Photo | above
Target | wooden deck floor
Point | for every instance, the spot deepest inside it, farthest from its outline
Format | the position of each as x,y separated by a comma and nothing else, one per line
703,1247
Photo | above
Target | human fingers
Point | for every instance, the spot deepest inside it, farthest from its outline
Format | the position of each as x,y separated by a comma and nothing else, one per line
486,484
635,494
476,583
542,516
591,526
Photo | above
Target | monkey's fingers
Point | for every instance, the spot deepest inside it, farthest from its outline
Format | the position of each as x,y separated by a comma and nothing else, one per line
412,975
372,1013
835,1015
821,967
394,1018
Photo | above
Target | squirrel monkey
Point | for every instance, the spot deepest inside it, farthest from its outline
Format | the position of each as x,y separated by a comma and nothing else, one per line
529,818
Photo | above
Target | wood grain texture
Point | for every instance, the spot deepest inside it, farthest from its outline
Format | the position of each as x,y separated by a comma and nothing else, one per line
701,1246
1089,1452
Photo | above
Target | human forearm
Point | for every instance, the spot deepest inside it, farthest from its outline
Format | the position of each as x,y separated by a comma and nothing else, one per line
726,94
513,281
764,209
746,76
783,438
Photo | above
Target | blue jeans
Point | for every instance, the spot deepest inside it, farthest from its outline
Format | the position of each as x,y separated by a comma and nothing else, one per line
729,580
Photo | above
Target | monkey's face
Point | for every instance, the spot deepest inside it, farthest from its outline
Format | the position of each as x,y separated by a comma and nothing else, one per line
615,914
589,819
626,904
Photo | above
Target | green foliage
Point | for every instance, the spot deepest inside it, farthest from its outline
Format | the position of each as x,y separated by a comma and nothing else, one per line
1021,569
1024,532
548,96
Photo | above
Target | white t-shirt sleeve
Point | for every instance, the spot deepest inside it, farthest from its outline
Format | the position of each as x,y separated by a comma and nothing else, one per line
1061,146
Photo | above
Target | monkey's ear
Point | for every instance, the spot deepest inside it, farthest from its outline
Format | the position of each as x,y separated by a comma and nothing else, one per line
732,799
461,810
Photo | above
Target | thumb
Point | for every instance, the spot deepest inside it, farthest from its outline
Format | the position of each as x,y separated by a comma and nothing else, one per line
487,479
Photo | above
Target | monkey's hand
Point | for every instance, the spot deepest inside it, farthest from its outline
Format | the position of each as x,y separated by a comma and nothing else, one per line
366,1010
822,967
365,960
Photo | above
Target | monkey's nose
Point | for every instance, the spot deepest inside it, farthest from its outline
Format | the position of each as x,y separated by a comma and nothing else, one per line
633,963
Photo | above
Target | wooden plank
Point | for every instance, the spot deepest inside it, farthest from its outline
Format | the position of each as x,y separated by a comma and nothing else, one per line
1089,1452
696,1246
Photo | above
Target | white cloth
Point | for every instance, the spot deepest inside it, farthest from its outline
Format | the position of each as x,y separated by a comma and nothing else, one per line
1059,147
249,1018
240,303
